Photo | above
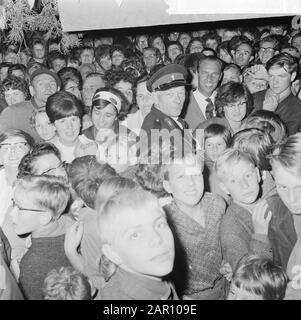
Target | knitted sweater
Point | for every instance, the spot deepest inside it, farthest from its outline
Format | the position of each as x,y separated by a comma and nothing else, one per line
238,237
45,254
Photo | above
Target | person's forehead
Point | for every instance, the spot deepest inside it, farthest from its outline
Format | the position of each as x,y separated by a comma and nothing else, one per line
43,77
148,52
141,87
231,71
243,165
109,108
209,64
267,44
185,167
95,80
244,47
180,89
277,70
123,85
12,91
173,46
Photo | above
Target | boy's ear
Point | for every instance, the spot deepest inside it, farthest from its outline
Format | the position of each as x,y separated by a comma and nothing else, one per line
223,187
263,174
293,76
45,217
32,90
166,186
111,254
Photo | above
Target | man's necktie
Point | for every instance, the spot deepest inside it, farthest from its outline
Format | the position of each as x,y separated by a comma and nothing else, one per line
209,109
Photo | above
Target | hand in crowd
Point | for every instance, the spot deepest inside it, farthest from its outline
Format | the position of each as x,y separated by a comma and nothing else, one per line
84,149
260,219
258,71
271,101
226,270
73,237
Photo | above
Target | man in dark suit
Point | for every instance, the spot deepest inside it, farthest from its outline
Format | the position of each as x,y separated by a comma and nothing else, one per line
281,72
200,106
163,122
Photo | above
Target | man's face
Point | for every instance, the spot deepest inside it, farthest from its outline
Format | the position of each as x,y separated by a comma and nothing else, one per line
243,55
266,52
184,39
288,186
38,51
241,181
211,43
144,98
173,52
185,183
171,101
43,86
126,88
209,76
149,58
143,241
90,85
279,79
196,46
25,221
87,56
58,64
231,75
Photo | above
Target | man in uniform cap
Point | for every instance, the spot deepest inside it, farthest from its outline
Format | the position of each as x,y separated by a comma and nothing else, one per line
168,88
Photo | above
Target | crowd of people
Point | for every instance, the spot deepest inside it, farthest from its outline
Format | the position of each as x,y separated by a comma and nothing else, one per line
152,166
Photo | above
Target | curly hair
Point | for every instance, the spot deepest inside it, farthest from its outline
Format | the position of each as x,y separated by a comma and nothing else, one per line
15,83
231,92
68,73
112,77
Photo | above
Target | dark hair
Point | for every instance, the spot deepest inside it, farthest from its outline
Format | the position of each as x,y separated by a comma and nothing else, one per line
122,113
150,178
232,66
27,164
68,73
63,104
223,46
216,129
236,41
102,51
53,55
285,61
117,47
171,43
112,77
271,39
86,175
257,143
17,66
211,36
230,92
261,277
15,83
187,51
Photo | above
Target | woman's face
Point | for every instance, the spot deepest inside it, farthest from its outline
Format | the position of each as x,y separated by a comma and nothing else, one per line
236,111
68,129
73,88
13,96
159,44
44,128
117,58
104,118
12,150
196,46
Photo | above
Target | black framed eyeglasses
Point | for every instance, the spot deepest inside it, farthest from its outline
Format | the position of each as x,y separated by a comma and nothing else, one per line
62,165
25,209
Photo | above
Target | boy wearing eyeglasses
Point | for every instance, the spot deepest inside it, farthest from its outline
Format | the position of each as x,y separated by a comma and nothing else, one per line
38,202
